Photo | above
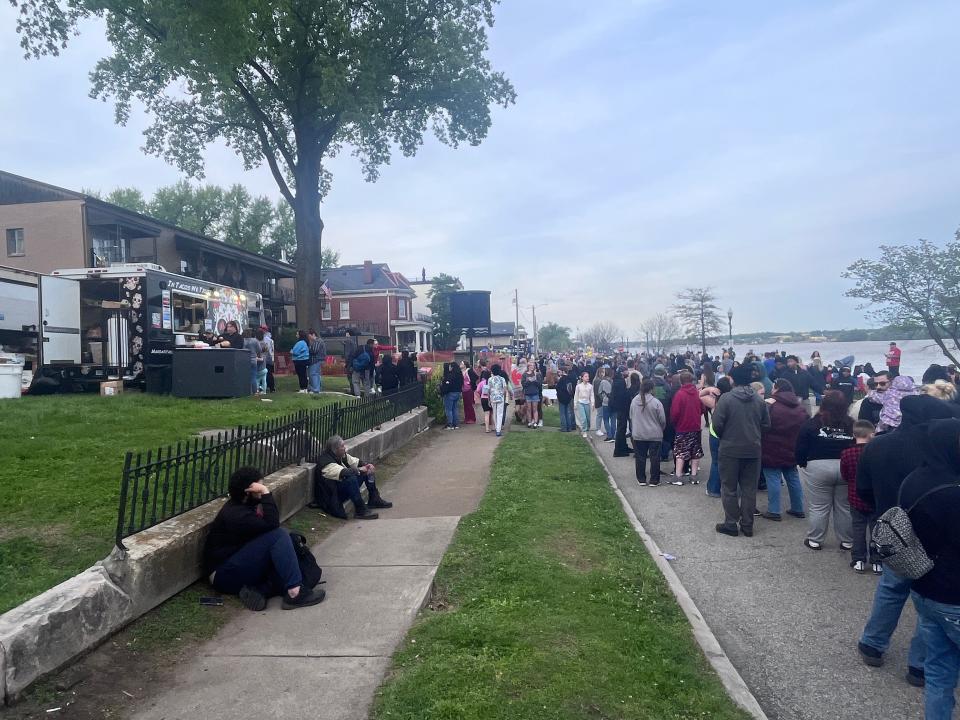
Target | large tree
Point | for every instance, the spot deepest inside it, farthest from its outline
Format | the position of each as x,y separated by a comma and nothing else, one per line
913,286
699,316
658,331
552,336
289,83
600,336
444,337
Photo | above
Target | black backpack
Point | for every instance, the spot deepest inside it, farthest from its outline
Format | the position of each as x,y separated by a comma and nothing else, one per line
309,569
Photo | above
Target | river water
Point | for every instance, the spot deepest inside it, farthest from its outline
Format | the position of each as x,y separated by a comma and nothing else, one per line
916,355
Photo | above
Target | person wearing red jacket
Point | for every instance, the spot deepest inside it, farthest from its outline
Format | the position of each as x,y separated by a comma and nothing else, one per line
686,416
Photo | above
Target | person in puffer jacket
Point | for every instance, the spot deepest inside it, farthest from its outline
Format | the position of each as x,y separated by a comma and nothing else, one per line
778,445
686,415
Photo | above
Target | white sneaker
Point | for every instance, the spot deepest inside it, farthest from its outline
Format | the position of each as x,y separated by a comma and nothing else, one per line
302,392
859,566
600,433
540,424
583,434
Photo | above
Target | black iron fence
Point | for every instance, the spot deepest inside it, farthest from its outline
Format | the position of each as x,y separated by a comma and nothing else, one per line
161,484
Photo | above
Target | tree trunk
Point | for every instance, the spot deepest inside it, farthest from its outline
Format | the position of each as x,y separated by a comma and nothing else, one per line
309,229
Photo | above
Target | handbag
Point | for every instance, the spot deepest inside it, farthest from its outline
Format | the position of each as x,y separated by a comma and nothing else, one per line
896,542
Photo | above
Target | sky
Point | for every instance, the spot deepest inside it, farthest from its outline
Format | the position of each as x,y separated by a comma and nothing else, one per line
755,147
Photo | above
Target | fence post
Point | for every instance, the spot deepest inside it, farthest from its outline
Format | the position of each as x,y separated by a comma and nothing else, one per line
122,514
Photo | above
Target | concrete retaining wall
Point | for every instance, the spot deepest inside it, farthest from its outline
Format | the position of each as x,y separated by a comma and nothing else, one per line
48,631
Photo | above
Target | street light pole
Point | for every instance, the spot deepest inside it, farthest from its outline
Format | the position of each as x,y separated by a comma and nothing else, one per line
730,325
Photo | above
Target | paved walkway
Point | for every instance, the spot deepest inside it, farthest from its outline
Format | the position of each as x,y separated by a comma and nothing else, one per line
328,660
788,617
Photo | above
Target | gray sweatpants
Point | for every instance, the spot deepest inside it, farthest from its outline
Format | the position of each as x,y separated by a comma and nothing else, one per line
738,490
361,383
826,496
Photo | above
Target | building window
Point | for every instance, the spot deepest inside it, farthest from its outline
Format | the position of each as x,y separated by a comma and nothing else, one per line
402,309
15,242
344,309
325,312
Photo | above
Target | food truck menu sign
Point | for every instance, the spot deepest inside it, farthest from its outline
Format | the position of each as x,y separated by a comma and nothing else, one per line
166,309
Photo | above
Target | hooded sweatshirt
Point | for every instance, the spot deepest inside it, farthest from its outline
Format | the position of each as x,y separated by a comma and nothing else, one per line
647,418
891,456
787,416
936,519
685,410
738,419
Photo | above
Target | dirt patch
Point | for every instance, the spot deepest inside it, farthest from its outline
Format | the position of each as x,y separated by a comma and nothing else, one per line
568,549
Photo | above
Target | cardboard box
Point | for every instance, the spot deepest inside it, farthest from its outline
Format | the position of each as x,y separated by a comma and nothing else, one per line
111,387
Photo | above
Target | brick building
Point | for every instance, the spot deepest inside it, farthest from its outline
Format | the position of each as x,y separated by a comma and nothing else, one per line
372,299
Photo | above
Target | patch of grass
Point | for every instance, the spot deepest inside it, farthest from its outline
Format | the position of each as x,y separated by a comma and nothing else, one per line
62,460
524,632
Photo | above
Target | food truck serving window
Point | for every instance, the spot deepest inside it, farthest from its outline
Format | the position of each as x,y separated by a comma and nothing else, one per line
189,313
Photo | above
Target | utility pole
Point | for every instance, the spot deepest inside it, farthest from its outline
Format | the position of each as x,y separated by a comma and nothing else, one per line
516,325
536,343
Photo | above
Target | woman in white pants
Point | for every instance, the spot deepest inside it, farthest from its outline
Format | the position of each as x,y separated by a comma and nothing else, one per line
498,389
822,438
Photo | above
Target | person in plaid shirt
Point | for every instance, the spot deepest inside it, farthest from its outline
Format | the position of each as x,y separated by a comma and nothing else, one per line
862,513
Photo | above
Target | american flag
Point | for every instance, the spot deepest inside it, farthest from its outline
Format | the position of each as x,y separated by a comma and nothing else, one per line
326,290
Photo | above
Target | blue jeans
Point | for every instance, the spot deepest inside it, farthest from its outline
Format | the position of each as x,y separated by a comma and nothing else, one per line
939,625
267,563
609,422
792,477
584,410
254,384
713,482
450,401
888,600
316,382
567,422
349,488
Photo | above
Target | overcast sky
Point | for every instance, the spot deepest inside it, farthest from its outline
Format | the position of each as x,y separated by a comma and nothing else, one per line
754,146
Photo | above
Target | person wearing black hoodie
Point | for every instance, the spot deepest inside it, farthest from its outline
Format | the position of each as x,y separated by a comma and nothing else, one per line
406,368
620,405
388,375
886,461
738,420
931,493
566,384
248,554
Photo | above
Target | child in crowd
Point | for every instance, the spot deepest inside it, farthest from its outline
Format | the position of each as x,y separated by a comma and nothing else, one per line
861,513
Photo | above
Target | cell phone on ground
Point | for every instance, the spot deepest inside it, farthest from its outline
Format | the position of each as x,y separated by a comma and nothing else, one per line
211,601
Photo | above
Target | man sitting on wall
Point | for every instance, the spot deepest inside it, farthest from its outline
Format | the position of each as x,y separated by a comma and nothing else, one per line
248,554
348,472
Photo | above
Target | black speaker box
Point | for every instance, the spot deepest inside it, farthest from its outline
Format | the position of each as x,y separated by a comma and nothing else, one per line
213,373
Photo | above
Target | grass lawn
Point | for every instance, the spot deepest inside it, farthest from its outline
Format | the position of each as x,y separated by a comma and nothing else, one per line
62,459
548,606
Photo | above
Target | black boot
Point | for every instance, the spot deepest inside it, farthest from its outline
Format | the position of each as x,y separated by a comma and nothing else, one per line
377,501
362,512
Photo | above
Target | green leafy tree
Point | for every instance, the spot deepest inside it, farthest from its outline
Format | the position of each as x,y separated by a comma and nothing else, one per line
698,314
282,243
130,198
290,84
245,220
444,337
912,287
199,208
552,336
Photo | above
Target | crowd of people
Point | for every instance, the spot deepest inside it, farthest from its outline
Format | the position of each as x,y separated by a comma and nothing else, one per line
847,442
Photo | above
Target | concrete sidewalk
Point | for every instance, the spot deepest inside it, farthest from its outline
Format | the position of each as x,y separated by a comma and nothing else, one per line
328,660
789,618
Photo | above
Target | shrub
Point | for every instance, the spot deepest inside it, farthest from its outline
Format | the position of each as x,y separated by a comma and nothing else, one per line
432,397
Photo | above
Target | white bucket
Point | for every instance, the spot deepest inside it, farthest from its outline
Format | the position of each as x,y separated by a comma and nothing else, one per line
10,381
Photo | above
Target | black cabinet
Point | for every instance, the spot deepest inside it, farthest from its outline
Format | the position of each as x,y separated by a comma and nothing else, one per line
211,373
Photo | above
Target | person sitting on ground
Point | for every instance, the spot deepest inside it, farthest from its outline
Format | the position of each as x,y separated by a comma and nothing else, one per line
248,554
337,464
